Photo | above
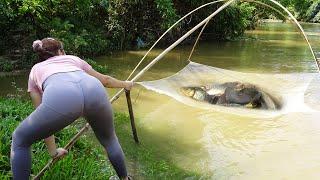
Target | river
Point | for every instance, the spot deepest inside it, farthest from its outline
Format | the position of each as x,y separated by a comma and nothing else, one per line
225,145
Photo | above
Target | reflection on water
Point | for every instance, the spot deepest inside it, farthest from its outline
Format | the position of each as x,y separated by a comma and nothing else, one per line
225,145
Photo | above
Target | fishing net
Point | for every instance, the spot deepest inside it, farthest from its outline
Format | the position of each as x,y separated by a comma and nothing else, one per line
294,92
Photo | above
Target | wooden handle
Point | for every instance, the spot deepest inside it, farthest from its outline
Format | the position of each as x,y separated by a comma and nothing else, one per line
133,125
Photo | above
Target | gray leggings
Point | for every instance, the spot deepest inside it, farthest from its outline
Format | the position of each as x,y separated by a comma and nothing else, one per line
66,97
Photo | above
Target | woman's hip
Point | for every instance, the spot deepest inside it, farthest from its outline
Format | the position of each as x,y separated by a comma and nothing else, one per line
73,91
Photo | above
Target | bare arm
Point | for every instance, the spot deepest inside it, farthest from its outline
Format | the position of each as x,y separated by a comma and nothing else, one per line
36,99
109,81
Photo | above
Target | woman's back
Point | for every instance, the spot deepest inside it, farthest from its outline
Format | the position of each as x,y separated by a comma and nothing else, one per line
57,64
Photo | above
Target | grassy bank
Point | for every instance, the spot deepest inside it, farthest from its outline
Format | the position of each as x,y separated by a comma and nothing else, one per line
86,160
82,162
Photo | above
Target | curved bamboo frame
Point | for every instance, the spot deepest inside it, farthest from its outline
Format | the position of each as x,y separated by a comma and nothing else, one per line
293,19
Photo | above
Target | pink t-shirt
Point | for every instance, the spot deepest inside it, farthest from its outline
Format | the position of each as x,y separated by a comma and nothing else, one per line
64,63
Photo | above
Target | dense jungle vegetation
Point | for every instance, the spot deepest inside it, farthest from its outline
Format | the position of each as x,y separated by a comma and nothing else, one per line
91,28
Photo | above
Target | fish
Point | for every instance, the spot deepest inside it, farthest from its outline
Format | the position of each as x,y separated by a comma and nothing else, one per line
200,94
234,94
197,93
216,88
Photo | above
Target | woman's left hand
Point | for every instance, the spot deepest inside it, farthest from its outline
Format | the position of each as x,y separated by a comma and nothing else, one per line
61,152
128,85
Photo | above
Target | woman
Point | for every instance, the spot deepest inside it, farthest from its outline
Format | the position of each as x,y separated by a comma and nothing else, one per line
63,88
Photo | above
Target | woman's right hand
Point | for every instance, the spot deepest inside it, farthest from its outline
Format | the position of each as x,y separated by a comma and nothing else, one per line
128,85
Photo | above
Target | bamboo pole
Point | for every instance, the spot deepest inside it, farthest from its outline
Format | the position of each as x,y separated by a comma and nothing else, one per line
197,40
133,125
67,147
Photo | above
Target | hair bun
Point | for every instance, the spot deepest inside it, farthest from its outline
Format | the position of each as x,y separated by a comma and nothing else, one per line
37,45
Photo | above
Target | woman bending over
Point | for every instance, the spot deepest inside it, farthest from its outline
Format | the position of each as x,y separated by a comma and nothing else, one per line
63,88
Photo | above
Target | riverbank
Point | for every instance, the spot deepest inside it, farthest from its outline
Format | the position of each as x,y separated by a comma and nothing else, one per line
94,64
13,73
84,161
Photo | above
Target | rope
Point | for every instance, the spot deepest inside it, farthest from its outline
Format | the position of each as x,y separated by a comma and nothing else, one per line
197,40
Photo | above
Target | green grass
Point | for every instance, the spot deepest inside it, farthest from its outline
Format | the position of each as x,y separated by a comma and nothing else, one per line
83,161
86,160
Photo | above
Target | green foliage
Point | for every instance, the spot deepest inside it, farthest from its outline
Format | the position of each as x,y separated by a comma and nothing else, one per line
300,6
241,18
6,65
118,21
100,68
130,20
168,13
79,42
227,25
313,13
248,15
305,10
264,12
23,21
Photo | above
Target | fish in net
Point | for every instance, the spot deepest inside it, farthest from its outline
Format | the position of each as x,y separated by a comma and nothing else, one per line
280,93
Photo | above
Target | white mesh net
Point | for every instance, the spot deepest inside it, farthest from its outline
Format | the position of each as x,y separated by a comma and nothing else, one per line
294,91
